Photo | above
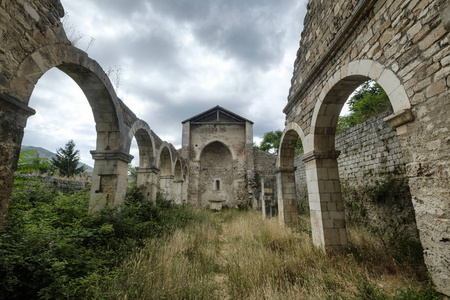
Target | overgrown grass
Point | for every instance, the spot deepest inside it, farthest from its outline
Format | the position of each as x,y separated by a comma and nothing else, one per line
51,249
238,255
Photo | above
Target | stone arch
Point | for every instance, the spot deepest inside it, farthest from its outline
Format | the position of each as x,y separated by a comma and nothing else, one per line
165,167
146,143
111,161
178,182
216,163
199,153
92,80
287,199
339,87
164,162
324,189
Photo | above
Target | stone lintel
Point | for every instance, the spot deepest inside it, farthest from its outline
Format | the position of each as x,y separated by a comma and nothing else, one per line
178,181
167,177
313,155
148,170
23,109
400,118
286,169
111,155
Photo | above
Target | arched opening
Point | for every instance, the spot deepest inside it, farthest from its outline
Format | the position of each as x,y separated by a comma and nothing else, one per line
216,165
62,114
178,183
217,186
286,177
365,153
166,177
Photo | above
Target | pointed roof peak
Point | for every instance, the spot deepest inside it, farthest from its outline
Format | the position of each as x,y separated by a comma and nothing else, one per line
219,110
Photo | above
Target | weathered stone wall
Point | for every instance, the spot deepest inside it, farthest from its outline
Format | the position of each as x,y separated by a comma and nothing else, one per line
369,151
371,157
405,47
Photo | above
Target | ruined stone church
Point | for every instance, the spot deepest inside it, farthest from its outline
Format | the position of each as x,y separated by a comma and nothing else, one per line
217,145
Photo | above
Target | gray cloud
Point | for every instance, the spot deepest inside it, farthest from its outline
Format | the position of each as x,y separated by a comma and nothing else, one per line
178,58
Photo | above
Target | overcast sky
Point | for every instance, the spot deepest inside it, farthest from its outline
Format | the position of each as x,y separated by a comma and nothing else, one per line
170,60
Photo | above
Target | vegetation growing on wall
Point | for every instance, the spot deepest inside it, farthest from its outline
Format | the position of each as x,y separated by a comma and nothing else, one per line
271,142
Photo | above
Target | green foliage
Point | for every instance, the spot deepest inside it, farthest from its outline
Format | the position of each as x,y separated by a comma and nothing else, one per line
271,142
369,101
29,161
66,161
132,176
51,248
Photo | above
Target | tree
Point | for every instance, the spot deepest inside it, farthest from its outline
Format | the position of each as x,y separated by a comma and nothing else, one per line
66,161
29,161
271,142
368,101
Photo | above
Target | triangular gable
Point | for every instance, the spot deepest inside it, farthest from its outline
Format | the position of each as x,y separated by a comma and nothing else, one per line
216,115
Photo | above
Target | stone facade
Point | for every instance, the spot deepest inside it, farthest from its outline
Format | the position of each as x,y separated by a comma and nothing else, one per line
218,146
404,46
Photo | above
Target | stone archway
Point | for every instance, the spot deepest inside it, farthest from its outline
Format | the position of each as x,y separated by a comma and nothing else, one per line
166,174
216,175
147,171
287,200
178,183
324,188
110,169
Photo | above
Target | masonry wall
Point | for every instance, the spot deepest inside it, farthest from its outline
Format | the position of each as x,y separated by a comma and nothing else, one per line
370,161
405,47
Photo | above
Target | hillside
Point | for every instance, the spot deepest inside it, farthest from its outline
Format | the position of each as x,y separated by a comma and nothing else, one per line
44,153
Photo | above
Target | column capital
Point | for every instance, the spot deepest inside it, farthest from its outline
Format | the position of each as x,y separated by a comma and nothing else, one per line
111,155
154,170
400,118
18,105
286,169
313,155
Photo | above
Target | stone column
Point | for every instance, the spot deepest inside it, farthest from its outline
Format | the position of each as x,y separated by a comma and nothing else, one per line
166,185
287,200
109,181
146,178
178,191
325,200
13,119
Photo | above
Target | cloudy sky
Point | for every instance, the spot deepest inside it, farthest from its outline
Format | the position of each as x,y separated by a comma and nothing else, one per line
170,60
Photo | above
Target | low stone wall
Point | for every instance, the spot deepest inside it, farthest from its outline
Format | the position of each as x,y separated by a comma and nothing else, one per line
62,185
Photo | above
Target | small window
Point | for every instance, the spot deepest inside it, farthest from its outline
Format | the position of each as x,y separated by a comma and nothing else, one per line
217,185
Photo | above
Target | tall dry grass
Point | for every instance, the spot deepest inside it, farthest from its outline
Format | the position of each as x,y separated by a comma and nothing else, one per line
238,255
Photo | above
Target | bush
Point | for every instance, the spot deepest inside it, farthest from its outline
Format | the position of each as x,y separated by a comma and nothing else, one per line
52,248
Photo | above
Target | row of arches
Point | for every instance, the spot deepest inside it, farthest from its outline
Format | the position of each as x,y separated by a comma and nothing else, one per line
323,184
160,167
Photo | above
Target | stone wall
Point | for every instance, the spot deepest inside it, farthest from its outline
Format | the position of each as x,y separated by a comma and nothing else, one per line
370,163
405,47
62,185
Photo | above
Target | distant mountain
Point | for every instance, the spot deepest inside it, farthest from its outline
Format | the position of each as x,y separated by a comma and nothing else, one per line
44,153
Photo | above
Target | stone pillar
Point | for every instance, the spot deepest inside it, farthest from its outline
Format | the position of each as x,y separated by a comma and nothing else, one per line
325,200
109,181
147,179
13,119
267,196
166,185
287,200
178,191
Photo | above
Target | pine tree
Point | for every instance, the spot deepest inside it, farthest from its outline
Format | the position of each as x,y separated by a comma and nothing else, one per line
66,161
